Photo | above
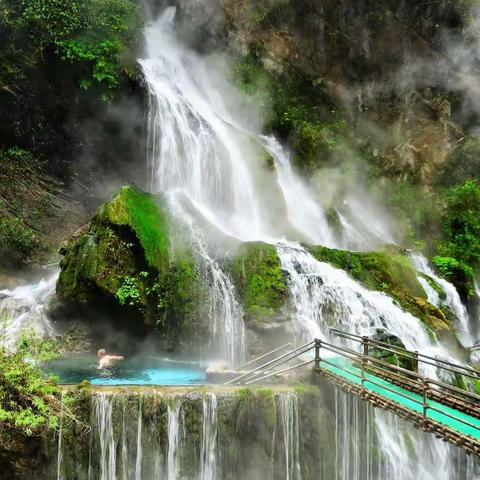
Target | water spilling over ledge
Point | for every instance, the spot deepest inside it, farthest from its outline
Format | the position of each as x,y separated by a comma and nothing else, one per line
286,433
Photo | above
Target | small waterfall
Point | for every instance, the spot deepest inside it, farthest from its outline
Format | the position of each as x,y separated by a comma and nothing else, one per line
103,411
23,309
208,457
304,212
138,460
452,298
174,439
226,314
354,439
288,403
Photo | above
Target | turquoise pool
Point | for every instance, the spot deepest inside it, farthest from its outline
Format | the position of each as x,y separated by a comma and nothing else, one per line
138,371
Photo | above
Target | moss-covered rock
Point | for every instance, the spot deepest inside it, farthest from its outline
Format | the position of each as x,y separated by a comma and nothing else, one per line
263,291
124,256
261,283
389,271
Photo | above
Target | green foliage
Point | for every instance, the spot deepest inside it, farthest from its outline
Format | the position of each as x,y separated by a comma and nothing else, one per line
28,403
147,218
293,101
17,241
93,32
462,224
34,347
129,293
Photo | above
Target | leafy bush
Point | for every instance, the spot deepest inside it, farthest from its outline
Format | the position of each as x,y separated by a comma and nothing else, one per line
129,293
462,224
96,32
30,403
17,240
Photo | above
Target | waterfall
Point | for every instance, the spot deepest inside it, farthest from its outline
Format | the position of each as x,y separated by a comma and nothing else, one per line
288,403
372,444
193,150
208,457
138,461
103,411
208,165
197,435
452,298
226,314
23,310
354,439
173,457
323,296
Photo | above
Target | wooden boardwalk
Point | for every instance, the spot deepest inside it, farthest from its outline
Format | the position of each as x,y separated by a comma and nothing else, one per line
355,364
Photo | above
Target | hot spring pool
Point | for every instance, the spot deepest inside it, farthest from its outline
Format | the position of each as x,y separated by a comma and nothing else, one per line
145,371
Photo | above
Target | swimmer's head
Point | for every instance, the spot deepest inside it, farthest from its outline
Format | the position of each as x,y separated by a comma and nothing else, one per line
101,353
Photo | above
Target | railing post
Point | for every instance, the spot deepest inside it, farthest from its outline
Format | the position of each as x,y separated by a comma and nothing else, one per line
415,356
425,399
318,345
362,374
365,346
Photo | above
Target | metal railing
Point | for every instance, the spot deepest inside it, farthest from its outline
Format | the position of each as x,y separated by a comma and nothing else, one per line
260,372
369,371
371,368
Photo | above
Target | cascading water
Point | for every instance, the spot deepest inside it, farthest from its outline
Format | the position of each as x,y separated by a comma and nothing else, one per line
103,412
198,158
23,310
289,415
304,213
452,298
185,435
224,311
208,458
173,456
323,297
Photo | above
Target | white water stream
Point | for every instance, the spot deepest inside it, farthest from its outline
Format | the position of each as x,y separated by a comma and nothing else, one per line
23,311
452,299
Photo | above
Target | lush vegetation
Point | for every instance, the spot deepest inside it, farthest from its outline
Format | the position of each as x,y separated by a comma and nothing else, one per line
93,33
147,218
297,110
459,254
30,403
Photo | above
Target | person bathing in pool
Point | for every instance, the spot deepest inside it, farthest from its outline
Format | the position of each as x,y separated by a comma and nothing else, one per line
105,361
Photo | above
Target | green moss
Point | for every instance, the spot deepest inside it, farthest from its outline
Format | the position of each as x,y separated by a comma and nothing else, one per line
391,272
258,275
147,218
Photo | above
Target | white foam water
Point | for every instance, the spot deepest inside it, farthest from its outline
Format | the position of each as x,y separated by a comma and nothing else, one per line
23,310
209,454
451,300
